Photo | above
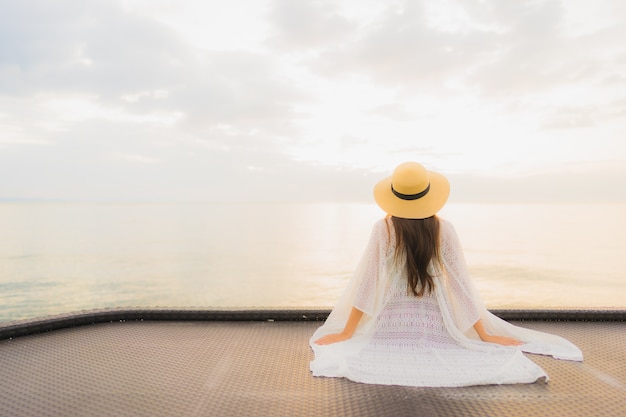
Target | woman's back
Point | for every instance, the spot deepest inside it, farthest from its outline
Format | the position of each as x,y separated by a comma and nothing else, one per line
417,244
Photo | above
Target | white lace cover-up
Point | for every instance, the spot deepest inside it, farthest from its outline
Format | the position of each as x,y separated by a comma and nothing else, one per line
425,341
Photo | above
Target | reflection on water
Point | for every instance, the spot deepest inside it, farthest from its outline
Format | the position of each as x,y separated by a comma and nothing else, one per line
65,257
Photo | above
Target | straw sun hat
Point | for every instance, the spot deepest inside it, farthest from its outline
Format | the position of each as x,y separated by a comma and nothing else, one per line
412,192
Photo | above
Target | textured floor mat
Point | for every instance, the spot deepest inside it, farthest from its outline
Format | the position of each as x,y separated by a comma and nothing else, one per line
261,368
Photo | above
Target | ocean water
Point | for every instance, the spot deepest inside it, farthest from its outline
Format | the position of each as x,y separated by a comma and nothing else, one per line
63,257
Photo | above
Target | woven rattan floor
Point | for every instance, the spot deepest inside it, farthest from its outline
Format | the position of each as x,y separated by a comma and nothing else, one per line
241,368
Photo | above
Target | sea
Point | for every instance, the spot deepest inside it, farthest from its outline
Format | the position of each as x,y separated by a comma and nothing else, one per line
66,257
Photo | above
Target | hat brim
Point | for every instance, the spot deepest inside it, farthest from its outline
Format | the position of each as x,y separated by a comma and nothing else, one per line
421,208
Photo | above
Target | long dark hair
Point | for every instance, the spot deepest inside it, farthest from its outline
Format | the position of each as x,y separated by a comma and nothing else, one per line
419,240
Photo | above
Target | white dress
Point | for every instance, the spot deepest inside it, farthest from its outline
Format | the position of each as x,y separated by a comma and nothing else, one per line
425,341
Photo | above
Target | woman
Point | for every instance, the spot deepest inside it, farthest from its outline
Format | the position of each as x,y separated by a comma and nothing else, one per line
411,315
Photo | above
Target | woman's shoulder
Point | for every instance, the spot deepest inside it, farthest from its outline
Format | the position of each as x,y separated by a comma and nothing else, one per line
444,222
446,228
383,228
382,222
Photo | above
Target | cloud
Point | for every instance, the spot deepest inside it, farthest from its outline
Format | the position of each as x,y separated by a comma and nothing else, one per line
238,88
135,158
96,49
570,117
97,172
400,48
585,114
500,50
395,111
85,46
306,24
537,54
116,105
140,101
587,182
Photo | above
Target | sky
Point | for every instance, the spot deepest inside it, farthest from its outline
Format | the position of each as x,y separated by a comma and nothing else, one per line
281,100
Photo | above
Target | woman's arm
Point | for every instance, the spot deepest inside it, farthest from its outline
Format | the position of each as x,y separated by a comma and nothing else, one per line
348,330
501,340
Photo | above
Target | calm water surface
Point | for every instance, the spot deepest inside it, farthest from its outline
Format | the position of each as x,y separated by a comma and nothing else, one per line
65,257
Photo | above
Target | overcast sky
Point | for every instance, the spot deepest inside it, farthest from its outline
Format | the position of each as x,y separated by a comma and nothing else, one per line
306,100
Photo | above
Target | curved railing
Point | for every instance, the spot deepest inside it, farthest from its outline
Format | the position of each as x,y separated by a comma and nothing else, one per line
55,322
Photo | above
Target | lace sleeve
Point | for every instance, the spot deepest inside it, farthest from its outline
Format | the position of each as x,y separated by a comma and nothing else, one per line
464,301
371,267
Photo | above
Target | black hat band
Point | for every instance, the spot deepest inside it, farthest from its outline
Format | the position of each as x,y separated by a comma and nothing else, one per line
410,197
